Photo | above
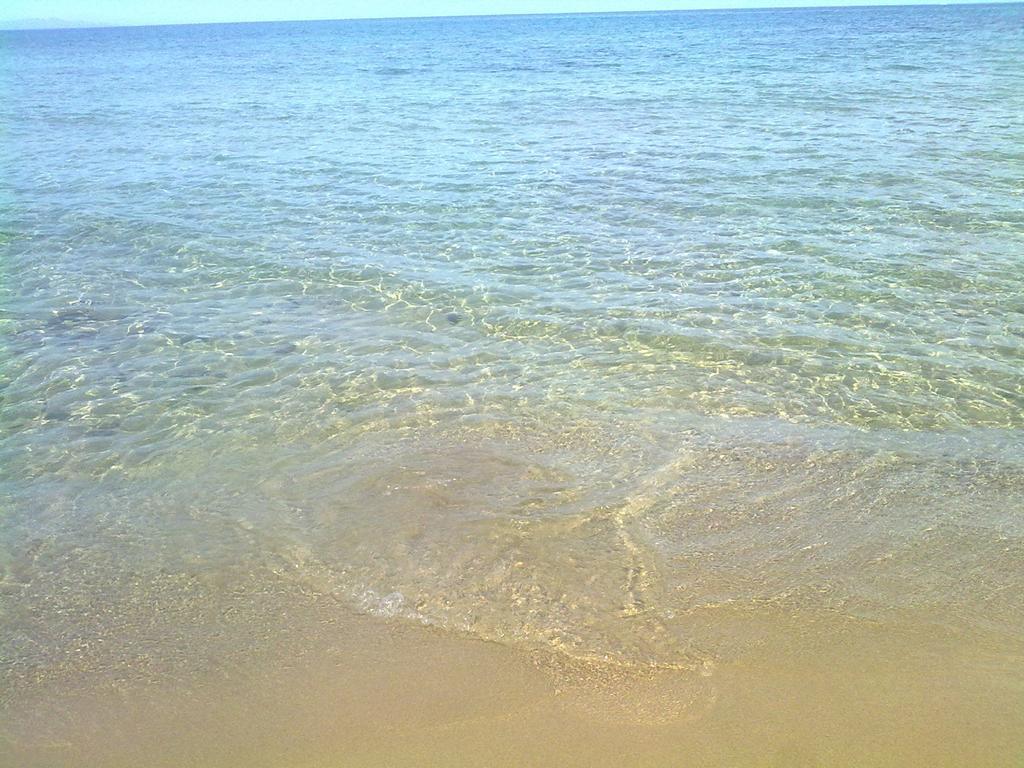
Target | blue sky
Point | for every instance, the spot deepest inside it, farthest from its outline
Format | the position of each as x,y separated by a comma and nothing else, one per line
197,11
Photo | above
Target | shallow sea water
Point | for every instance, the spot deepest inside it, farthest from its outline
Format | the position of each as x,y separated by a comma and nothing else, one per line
594,389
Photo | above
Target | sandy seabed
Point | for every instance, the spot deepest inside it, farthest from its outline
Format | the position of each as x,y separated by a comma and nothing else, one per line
292,681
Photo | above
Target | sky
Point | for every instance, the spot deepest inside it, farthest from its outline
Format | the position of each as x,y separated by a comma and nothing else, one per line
118,12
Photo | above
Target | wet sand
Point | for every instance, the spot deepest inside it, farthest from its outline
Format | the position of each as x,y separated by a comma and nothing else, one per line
323,687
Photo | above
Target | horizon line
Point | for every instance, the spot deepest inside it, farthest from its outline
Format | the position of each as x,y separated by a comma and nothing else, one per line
69,24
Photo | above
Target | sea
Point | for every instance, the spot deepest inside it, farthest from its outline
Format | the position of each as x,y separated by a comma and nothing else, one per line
515,390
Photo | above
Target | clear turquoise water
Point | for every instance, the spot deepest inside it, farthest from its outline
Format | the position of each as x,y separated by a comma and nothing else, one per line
560,331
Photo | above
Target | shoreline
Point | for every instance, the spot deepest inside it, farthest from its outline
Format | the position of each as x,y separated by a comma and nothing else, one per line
325,687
